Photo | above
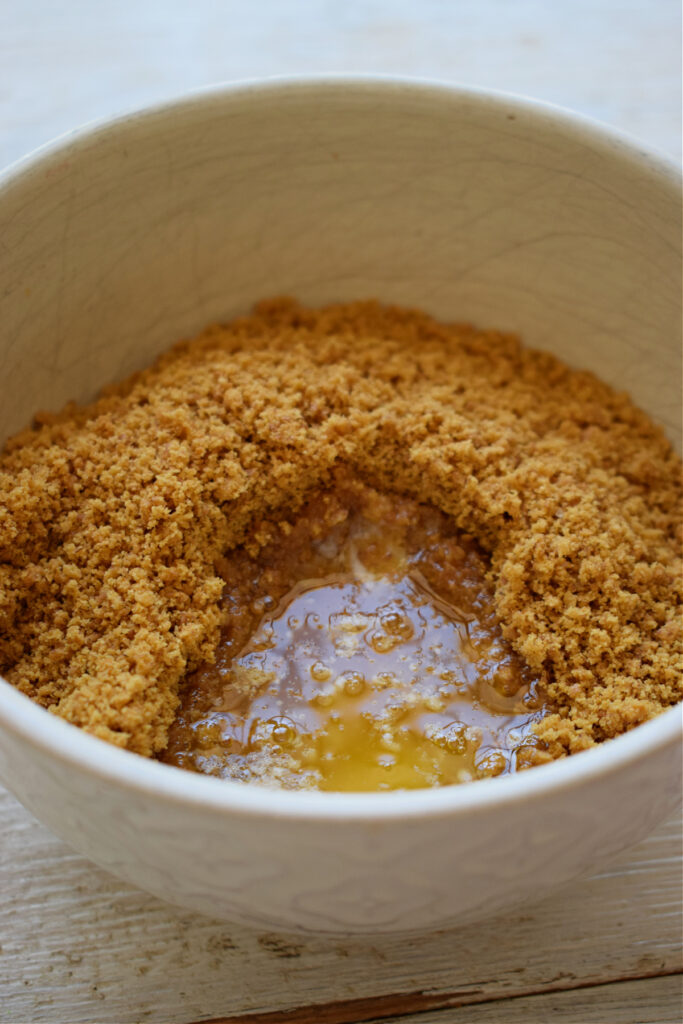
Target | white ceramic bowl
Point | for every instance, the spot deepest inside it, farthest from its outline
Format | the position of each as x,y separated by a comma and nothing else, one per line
121,238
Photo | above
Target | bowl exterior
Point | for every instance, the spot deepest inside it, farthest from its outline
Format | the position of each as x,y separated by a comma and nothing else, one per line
471,206
343,876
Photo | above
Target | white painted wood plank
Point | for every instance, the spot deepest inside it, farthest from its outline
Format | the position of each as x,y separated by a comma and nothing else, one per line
78,945
651,1001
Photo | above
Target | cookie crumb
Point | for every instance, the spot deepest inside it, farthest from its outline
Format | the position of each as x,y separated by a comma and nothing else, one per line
115,515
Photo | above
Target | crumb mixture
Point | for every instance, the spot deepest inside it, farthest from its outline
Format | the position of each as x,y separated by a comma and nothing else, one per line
114,516
359,650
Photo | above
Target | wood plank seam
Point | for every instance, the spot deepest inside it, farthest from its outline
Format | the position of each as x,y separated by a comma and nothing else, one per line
375,1008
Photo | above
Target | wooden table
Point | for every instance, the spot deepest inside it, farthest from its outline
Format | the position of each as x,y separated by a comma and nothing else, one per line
77,945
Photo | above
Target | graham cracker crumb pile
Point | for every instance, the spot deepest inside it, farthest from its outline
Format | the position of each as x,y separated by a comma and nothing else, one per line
114,515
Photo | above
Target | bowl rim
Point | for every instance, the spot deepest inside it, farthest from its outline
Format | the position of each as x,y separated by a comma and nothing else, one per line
72,746
600,134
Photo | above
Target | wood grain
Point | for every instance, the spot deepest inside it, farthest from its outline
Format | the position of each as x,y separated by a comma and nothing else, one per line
654,1001
622,1001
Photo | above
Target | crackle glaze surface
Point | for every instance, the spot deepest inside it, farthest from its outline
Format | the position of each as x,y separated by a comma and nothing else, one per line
469,206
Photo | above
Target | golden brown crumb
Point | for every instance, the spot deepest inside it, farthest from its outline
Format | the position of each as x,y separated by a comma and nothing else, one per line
114,514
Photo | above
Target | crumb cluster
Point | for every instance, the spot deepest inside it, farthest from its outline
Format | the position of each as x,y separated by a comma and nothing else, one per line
113,516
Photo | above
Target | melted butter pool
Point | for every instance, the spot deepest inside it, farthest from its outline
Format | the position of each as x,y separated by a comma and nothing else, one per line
384,667
370,685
